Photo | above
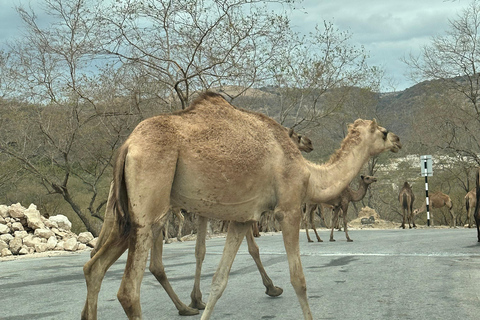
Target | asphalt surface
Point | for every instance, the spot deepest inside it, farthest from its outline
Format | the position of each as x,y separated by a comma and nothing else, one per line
383,274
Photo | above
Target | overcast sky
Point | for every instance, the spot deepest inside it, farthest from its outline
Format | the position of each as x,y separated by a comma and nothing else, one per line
388,29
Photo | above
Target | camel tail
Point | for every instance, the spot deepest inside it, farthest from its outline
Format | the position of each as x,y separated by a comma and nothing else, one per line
120,207
467,204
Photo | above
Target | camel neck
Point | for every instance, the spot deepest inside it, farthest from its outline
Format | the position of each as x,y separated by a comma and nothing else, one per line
328,180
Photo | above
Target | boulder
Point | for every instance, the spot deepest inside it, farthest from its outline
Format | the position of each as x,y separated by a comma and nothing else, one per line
7,237
4,211
17,226
23,251
5,252
16,211
93,243
41,247
3,245
70,244
20,234
44,233
31,240
62,221
52,243
85,237
34,219
4,229
15,245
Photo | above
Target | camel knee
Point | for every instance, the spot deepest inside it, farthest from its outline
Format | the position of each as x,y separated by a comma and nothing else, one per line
158,271
299,285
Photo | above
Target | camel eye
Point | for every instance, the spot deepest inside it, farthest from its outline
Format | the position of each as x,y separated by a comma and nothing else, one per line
385,134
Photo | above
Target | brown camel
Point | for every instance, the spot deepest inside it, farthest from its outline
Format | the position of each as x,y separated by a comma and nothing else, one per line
438,200
308,211
406,199
470,203
476,214
303,143
222,163
342,202
337,204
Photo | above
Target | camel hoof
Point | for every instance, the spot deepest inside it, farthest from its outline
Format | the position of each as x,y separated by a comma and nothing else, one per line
200,305
332,240
349,240
274,291
310,240
320,240
188,312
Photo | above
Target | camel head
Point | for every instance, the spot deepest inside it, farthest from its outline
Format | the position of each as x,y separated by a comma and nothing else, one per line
302,142
379,138
368,179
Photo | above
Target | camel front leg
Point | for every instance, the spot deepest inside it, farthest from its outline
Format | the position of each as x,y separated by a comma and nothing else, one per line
290,222
454,218
200,250
271,290
235,235
158,270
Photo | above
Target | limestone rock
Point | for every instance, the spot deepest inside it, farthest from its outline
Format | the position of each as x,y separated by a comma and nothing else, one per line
34,219
15,245
3,245
23,251
44,233
7,237
16,211
62,221
5,252
85,237
20,234
17,226
4,211
52,243
4,229
93,243
70,244
41,247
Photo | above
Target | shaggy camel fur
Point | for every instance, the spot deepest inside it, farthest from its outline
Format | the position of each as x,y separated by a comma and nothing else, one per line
340,203
470,203
303,143
221,163
476,214
438,200
406,199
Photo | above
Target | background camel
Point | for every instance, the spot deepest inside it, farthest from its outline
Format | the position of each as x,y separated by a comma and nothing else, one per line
309,217
338,204
406,199
175,159
476,214
470,203
438,200
341,203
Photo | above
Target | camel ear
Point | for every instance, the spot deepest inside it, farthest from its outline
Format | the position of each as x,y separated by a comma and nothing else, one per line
290,132
373,125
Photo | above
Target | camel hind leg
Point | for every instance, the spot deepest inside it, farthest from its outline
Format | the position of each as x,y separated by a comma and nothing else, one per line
200,250
270,289
235,235
158,270
95,269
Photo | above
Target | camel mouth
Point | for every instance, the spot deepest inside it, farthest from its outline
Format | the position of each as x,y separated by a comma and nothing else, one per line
395,140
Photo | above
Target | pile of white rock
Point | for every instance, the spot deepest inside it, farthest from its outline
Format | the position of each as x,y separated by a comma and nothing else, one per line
26,231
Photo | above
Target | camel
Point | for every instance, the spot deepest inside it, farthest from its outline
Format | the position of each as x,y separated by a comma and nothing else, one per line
304,144
438,200
406,199
308,211
476,214
470,203
337,204
223,163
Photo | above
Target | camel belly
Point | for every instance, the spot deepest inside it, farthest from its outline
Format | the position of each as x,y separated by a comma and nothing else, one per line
220,196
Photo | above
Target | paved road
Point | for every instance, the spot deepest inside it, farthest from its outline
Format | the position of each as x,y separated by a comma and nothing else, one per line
383,274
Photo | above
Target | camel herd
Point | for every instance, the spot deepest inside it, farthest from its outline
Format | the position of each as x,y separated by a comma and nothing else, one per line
230,164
